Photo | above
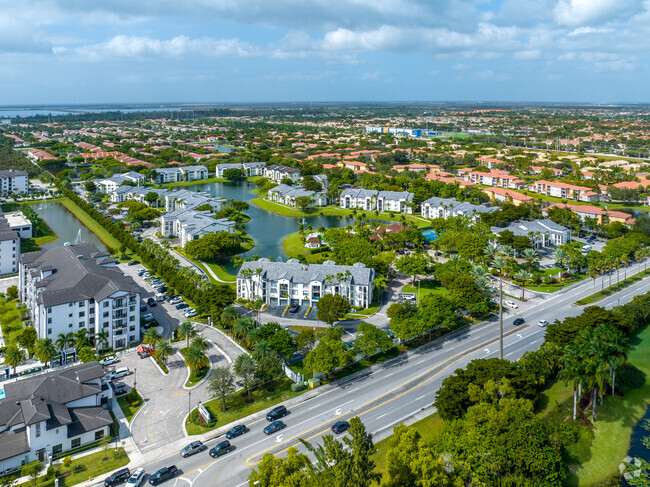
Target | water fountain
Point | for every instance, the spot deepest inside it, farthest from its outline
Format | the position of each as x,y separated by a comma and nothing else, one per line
43,203
78,239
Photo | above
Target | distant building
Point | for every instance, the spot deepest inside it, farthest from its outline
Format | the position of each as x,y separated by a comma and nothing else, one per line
47,414
542,233
449,207
109,185
279,173
564,190
14,182
250,168
190,225
78,287
287,195
370,200
194,173
282,283
185,199
165,175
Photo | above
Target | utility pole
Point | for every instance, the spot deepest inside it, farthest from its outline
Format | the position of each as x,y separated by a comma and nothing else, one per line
189,406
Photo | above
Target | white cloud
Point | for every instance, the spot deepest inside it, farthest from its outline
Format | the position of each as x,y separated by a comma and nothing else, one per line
529,55
575,13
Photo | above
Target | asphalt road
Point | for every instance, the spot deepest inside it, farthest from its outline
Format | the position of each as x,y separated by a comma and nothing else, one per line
396,391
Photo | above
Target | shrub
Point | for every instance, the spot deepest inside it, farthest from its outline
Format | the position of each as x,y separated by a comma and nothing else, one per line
67,461
297,387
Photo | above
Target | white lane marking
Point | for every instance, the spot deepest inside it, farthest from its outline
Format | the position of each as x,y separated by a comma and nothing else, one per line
421,397
508,354
379,417
487,351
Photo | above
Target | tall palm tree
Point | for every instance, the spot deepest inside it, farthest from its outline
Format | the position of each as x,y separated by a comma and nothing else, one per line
44,350
13,356
229,315
81,339
592,272
560,255
61,342
523,276
163,350
381,283
196,359
532,257
199,342
101,339
152,337
186,331
642,254
262,351
572,373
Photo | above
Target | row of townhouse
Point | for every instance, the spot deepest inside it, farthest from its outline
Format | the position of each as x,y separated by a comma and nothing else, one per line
497,178
78,287
371,199
109,185
180,173
564,190
601,216
287,195
49,413
14,182
249,168
138,193
278,173
189,225
507,196
450,207
542,233
282,283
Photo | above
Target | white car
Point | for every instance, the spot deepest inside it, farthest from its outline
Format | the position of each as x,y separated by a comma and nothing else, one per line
510,304
136,478
176,300
110,360
542,323
118,373
189,312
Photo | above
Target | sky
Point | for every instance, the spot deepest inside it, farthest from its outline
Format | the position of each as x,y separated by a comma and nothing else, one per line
194,51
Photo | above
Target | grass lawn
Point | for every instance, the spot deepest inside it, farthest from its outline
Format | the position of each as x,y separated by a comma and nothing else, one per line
428,428
221,272
10,321
192,183
426,287
298,328
127,408
276,207
550,288
92,225
238,407
294,247
608,291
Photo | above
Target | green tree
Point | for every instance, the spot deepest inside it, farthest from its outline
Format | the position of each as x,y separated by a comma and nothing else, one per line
163,350
305,341
291,471
87,354
81,339
222,383
371,339
303,202
414,265
27,338
101,339
151,337
229,315
44,350
12,292
330,354
32,470
196,359
523,276
332,307
13,356
245,368
186,331
200,343
234,174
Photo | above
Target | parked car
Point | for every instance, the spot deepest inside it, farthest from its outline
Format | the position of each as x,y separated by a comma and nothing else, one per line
238,430
118,373
294,308
118,477
136,478
510,304
160,289
146,317
143,308
176,300
110,360
151,302
273,427
182,306
276,413
220,449
192,448
518,321
120,389
340,427
189,312
172,297
542,323
163,474
141,272
133,262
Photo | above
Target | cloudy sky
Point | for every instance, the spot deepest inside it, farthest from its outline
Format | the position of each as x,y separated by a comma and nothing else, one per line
93,51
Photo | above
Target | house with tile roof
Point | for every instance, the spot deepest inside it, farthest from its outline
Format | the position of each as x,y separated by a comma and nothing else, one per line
564,190
49,413
507,196
601,215
282,283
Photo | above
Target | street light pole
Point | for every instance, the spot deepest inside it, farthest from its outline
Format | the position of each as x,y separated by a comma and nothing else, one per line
135,378
189,405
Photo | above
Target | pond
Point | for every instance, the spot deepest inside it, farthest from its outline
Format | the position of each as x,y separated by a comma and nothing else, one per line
637,448
267,229
65,225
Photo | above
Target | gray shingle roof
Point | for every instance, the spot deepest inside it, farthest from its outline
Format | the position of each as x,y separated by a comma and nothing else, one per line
454,205
13,444
296,272
88,419
523,228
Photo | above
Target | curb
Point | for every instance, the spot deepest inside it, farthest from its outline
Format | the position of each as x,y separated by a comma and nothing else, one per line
158,367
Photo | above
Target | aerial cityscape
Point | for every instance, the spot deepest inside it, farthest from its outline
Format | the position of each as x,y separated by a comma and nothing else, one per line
305,243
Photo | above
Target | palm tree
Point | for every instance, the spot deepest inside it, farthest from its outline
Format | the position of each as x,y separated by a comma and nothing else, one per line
152,337
163,350
262,351
81,339
13,356
242,326
560,255
186,331
532,257
572,373
491,252
229,315
196,359
245,367
44,350
642,254
592,272
200,343
523,276
381,283
65,341
101,338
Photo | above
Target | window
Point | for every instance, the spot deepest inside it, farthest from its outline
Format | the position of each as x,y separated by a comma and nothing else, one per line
81,324
69,325
70,305
131,308
69,315
49,331
105,304
105,324
131,318
91,321
75,443
131,328
37,430
80,303
99,435
105,314
82,314
49,310
56,449
49,321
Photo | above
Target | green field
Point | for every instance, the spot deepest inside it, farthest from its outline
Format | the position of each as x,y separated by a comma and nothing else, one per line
294,247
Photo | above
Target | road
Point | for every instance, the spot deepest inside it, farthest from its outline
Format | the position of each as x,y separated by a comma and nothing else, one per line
394,391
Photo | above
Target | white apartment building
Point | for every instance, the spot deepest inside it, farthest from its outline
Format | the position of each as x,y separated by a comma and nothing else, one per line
77,286
13,182
282,283
17,222
279,173
370,200
190,225
9,248
193,173
449,207
49,413
168,175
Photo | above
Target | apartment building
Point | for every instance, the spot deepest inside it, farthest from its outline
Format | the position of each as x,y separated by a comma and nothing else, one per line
370,200
14,182
287,195
185,199
190,225
109,185
9,248
52,412
193,173
450,207
282,283
542,233
249,168
564,191
279,173
601,216
168,175
507,196
17,222
75,287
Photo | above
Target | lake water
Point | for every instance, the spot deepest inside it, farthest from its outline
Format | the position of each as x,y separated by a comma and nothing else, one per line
65,225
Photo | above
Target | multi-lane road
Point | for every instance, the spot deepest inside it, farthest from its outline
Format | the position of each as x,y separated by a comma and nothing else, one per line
395,391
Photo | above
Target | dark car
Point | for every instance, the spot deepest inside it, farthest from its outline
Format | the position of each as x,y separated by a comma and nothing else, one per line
294,308
143,308
238,430
192,448
182,306
340,427
276,413
141,272
273,427
117,477
163,474
220,449
151,302
133,262
518,321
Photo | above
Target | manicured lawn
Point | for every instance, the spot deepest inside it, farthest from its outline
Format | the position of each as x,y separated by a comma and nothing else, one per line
238,407
221,272
10,321
549,288
608,291
92,225
426,287
294,247
276,208
127,408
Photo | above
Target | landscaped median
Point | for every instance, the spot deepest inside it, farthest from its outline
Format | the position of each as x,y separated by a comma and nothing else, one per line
608,291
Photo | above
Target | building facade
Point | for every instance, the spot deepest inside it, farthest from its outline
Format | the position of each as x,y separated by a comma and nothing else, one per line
190,225
370,200
450,207
542,233
78,287
14,182
9,248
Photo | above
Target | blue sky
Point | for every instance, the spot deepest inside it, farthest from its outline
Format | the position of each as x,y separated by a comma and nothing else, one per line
150,51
